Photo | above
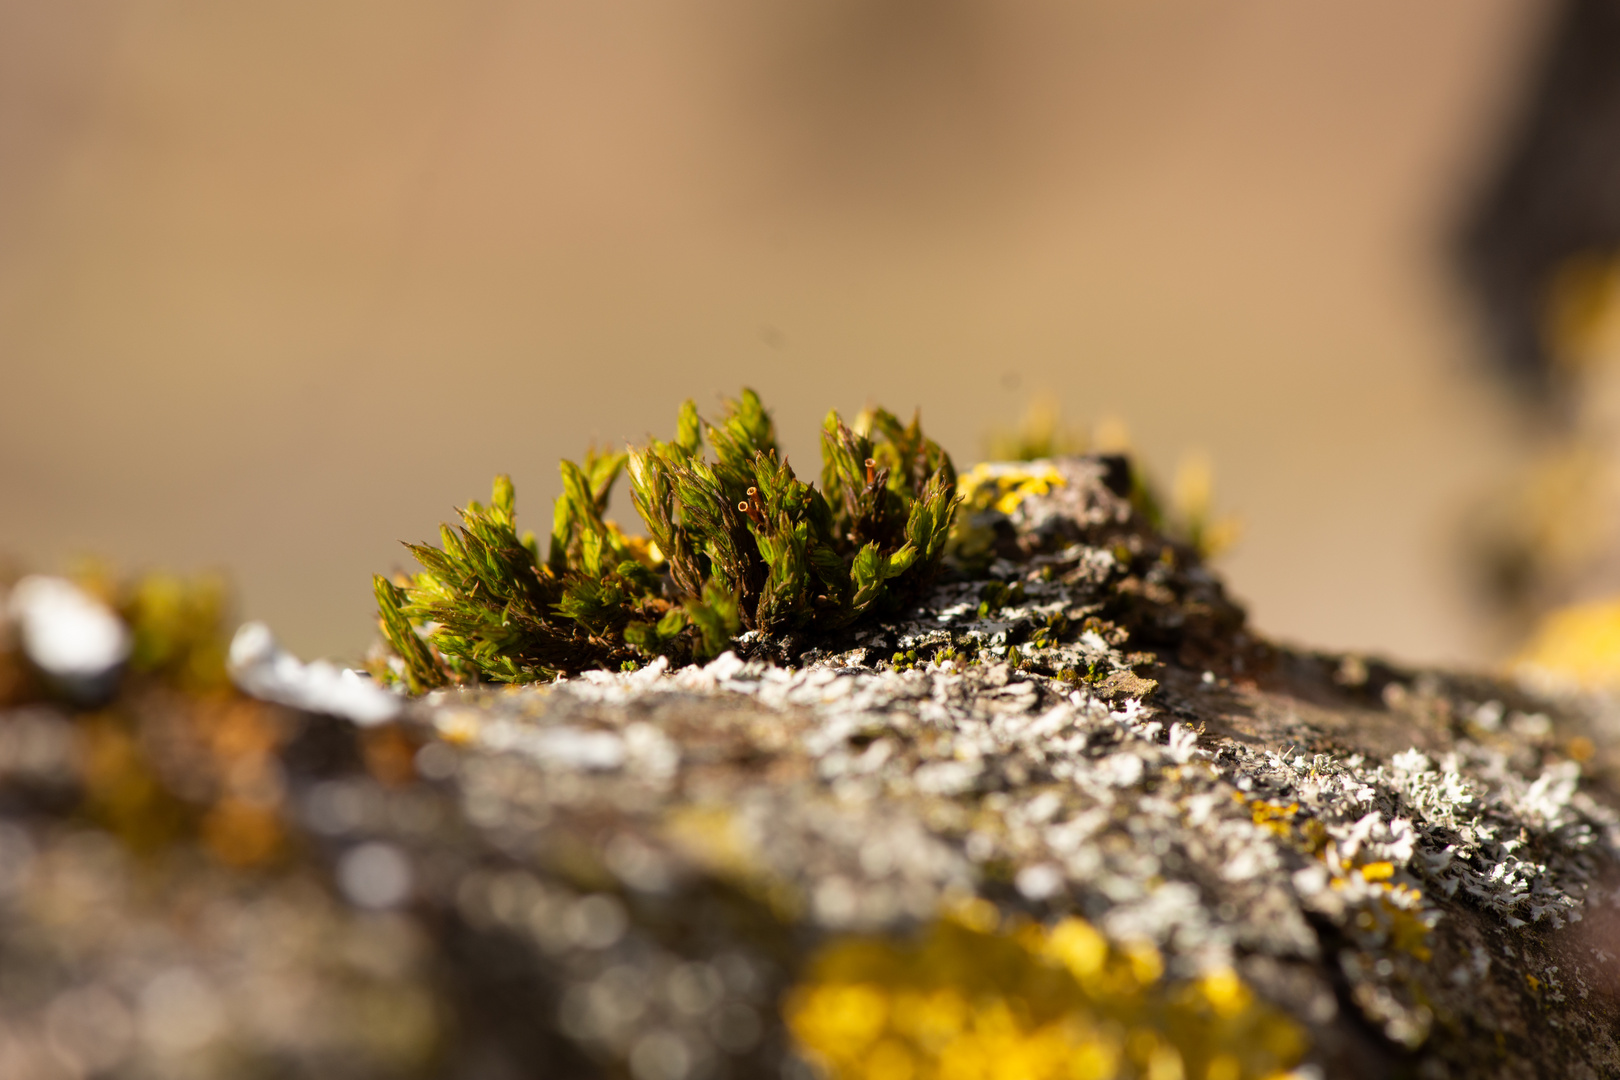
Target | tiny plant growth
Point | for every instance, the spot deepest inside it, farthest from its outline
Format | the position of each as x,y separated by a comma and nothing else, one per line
736,543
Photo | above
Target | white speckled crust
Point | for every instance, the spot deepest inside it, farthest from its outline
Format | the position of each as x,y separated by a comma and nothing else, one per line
1423,869
261,667
1240,818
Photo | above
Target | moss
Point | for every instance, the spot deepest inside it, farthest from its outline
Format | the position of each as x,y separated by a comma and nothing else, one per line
178,630
1041,433
178,627
167,753
737,543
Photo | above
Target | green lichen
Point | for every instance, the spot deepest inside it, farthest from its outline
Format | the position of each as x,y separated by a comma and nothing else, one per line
737,543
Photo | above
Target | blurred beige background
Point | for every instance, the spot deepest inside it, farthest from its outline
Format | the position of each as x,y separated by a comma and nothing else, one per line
282,283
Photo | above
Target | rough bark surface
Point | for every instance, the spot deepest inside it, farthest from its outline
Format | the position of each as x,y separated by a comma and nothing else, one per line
1292,861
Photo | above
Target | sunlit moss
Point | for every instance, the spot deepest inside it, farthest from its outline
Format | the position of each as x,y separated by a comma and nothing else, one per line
736,544
179,628
179,625
1041,433
1191,515
976,1000
168,751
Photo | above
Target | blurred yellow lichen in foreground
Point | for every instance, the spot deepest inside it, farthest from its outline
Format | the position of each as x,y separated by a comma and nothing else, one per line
1577,647
973,1000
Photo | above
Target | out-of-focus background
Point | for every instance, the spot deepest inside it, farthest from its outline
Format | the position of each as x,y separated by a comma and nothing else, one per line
282,284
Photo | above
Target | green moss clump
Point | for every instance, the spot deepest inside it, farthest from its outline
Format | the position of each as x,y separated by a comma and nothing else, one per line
179,629
736,544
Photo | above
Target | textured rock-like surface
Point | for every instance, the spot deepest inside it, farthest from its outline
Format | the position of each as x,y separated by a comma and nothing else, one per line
1293,861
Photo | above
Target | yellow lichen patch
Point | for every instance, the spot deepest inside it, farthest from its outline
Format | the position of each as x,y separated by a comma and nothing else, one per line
1306,834
1409,922
998,486
1275,818
1400,914
1001,487
1026,1002
1578,644
1312,835
1394,912
1286,822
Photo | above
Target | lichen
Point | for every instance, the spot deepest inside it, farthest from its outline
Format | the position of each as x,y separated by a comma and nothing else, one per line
993,491
1065,813
979,999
